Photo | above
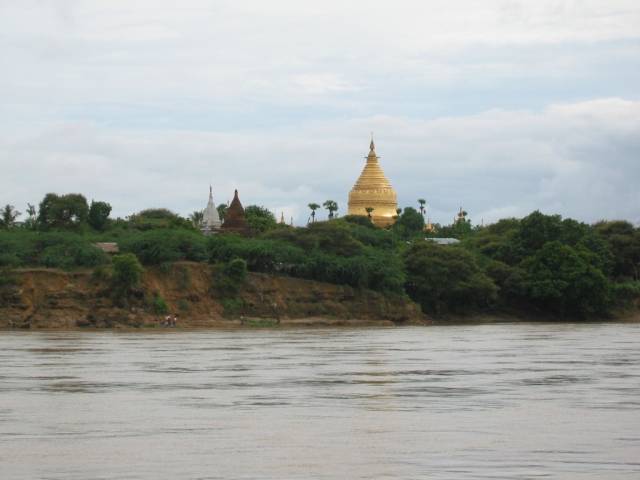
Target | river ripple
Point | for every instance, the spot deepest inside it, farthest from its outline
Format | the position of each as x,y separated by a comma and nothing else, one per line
502,401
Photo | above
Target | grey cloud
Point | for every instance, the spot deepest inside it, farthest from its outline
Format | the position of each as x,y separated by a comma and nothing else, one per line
579,160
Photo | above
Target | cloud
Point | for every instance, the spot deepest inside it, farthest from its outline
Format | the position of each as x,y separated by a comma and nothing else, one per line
576,159
501,106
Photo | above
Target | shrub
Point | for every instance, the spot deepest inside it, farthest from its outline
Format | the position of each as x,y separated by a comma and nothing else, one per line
232,307
158,304
74,253
236,270
9,259
229,279
22,248
165,245
127,273
101,273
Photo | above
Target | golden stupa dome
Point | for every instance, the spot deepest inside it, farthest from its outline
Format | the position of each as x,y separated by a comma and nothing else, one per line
373,190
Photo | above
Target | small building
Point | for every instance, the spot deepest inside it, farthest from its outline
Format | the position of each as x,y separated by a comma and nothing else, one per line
443,241
110,248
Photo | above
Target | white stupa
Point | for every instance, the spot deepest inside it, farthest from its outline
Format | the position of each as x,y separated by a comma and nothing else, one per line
210,219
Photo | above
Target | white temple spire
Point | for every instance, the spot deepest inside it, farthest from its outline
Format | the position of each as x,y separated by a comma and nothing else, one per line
210,219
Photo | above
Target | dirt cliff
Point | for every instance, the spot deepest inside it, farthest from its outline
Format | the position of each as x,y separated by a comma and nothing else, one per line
46,298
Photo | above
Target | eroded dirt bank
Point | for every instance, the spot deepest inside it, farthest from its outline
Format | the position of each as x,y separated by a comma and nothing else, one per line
45,298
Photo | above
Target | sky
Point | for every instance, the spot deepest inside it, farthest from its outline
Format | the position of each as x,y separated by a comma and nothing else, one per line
501,107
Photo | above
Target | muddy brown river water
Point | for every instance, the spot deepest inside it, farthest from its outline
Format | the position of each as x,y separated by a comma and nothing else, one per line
500,401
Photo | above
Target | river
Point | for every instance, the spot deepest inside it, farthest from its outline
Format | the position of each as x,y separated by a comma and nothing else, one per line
499,401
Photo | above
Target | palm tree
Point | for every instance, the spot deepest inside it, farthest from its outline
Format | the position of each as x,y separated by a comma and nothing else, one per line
369,210
196,218
313,207
33,216
331,206
422,203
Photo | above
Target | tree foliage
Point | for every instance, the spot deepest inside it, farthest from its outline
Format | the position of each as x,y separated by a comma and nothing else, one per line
63,212
154,218
99,215
331,206
260,219
447,279
409,224
563,280
154,247
127,274
8,216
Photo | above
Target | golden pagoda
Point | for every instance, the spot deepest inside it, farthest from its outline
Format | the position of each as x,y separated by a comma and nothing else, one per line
373,191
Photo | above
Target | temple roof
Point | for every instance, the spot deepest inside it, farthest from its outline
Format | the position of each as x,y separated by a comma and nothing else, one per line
372,176
234,218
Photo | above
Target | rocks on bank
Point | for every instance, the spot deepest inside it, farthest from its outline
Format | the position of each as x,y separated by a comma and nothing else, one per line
55,299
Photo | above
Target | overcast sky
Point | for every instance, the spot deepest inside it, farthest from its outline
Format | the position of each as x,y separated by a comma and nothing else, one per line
499,106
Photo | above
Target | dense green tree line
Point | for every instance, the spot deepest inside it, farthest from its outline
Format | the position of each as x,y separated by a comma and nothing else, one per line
541,264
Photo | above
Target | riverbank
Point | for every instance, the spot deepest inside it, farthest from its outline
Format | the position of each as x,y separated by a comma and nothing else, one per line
57,299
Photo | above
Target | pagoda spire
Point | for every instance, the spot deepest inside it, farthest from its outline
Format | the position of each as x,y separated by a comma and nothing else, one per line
373,190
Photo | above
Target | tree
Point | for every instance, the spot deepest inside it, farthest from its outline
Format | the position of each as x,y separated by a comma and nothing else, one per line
624,243
127,273
260,219
9,215
313,207
99,215
222,210
446,278
197,217
152,218
63,211
560,279
422,203
409,224
369,210
331,206
32,221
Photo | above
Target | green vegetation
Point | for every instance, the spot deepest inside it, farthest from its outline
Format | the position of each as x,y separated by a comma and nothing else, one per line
127,273
99,215
8,284
157,304
260,219
313,207
68,211
8,216
228,279
154,247
447,279
331,206
541,264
